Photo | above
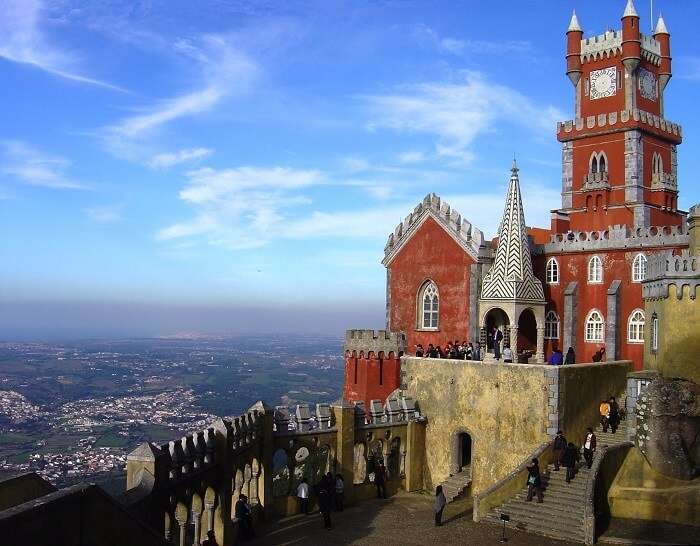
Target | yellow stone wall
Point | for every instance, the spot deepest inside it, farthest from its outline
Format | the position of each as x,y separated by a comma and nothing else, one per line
679,341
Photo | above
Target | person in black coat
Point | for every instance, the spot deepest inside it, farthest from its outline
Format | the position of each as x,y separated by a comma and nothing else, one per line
559,448
324,504
534,481
570,356
569,460
614,417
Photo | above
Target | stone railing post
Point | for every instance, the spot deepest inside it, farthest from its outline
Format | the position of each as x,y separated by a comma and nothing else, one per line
539,356
210,516
345,450
197,519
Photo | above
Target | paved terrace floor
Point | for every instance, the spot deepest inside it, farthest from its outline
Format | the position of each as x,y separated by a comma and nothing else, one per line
405,519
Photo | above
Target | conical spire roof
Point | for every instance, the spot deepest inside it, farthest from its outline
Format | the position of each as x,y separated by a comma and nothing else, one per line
661,26
574,25
630,10
511,277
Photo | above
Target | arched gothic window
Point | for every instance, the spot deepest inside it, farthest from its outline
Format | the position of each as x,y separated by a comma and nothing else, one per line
657,164
595,327
595,270
428,306
598,163
635,327
552,271
551,325
639,268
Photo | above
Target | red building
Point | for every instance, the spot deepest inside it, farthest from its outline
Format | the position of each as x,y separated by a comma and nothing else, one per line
619,199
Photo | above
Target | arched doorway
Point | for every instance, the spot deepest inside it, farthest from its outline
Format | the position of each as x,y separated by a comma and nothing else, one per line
527,332
461,451
495,318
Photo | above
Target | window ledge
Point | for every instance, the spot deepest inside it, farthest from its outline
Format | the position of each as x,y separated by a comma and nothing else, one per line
595,282
635,341
427,330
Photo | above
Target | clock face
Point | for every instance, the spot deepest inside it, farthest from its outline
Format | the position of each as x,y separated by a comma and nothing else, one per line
603,83
647,84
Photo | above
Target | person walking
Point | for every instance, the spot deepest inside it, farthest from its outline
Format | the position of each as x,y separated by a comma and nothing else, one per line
507,354
534,481
614,414
497,338
339,492
243,514
440,502
559,447
604,415
569,460
303,496
589,447
570,356
380,481
324,504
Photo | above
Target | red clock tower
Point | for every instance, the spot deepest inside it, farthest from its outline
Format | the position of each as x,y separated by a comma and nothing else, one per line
619,153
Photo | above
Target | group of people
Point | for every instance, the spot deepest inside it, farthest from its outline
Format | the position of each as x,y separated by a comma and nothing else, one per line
557,358
610,414
329,494
460,351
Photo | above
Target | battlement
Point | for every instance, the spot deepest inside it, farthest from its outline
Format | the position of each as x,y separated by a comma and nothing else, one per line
617,237
375,341
609,44
665,269
467,236
618,121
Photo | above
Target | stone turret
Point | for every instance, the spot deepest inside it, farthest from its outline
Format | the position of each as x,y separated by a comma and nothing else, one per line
574,35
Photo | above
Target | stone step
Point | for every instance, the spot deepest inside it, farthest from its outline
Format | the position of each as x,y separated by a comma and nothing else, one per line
547,528
543,510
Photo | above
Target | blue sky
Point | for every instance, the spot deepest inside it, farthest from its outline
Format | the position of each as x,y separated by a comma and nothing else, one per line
251,157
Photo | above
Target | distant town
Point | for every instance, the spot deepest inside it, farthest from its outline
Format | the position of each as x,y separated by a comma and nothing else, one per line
72,412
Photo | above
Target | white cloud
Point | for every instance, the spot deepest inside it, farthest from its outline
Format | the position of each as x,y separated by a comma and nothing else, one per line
23,41
457,113
33,168
170,159
462,47
413,156
688,68
104,213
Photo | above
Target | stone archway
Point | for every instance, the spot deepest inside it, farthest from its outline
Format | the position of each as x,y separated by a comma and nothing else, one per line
495,318
461,450
527,332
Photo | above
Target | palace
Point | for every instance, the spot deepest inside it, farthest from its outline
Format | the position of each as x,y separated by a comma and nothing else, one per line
577,284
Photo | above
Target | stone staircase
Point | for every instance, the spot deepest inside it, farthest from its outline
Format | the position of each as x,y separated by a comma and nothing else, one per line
456,485
561,514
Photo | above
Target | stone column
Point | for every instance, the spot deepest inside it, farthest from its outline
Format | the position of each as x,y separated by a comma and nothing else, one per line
513,341
345,446
569,320
613,327
210,516
197,519
539,356
183,532
254,499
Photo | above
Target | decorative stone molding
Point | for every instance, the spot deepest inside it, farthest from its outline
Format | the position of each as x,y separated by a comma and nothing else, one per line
467,236
623,120
664,181
596,181
617,237
375,341
665,269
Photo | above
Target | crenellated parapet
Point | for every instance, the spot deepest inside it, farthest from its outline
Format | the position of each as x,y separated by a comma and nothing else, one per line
300,419
617,237
609,44
666,269
619,121
375,341
464,233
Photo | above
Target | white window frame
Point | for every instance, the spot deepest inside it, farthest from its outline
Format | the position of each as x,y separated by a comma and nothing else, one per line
551,321
552,271
594,332
432,311
595,270
639,267
635,326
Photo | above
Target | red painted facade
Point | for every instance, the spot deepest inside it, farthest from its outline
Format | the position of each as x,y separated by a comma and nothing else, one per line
634,194
370,377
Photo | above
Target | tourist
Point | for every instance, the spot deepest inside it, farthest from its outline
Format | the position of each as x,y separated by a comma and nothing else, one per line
303,495
469,352
242,511
598,356
440,502
614,415
380,480
507,354
324,503
556,358
497,338
476,354
339,492
534,481
589,447
433,351
570,356
604,415
330,487
559,447
211,539
568,460
419,350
